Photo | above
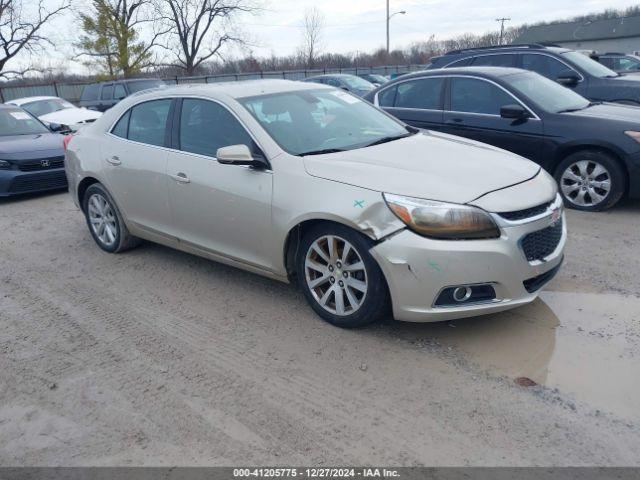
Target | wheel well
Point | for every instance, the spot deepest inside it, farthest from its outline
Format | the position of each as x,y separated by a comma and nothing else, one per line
82,188
592,148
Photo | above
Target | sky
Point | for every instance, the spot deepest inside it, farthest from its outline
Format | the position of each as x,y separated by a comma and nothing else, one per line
350,25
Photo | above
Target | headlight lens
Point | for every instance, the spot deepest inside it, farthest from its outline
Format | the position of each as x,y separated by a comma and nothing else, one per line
445,221
4,164
634,135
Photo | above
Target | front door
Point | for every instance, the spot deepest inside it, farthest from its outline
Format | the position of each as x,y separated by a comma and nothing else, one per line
474,112
225,209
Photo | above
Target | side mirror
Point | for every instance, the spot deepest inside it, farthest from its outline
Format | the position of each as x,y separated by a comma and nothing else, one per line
516,112
59,128
568,78
238,155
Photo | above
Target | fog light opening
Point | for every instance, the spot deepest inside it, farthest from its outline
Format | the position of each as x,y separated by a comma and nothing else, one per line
462,294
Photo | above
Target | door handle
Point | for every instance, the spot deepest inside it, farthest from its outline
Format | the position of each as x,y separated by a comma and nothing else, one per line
115,160
180,177
454,121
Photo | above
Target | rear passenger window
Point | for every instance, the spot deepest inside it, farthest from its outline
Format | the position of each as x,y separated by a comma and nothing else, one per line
148,122
107,92
469,95
121,128
206,126
494,61
544,65
423,94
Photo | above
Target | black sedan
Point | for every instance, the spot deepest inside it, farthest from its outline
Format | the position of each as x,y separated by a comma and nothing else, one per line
31,155
592,148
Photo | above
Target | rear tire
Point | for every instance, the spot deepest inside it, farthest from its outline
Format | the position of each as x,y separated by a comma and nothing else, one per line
105,221
340,279
590,180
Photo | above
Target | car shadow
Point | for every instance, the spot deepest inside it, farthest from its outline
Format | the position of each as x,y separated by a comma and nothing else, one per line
30,196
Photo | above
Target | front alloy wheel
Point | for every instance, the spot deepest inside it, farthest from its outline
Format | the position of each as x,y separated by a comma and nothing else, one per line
340,279
586,183
591,180
335,275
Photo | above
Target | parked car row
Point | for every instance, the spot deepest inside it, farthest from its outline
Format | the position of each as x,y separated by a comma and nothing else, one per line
304,182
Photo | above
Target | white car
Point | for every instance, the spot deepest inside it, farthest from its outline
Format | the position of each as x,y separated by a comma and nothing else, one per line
56,110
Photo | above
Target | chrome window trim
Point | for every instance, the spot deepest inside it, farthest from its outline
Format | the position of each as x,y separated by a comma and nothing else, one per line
183,96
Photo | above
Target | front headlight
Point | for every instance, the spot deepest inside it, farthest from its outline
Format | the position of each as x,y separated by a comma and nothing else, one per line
4,164
444,221
634,135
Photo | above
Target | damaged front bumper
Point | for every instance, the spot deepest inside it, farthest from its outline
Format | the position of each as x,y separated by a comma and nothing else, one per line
418,270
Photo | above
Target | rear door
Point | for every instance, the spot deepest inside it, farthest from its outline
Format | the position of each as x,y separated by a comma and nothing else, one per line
135,159
473,111
417,102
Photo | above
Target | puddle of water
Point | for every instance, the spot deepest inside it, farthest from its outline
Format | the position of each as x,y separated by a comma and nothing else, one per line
586,345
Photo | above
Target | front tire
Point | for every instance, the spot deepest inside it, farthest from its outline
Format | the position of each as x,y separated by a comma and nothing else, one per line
340,279
105,221
590,180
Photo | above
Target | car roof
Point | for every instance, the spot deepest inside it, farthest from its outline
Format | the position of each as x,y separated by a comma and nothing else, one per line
507,49
485,71
20,101
239,89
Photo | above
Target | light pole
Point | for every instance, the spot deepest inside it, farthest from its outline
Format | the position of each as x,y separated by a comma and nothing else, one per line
402,12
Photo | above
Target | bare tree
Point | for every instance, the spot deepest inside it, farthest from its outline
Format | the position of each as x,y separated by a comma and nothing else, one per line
22,31
198,29
312,36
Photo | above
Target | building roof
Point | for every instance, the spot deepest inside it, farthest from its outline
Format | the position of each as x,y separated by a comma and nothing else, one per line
580,31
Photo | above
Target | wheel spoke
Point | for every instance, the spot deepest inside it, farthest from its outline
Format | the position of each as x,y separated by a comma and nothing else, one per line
598,170
313,265
583,167
595,196
603,185
325,298
569,175
339,298
354,267
318,249
316,282
331,246
579,199
353,301
357,284
345,253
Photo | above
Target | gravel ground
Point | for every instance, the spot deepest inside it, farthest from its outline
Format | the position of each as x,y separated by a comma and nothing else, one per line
156,357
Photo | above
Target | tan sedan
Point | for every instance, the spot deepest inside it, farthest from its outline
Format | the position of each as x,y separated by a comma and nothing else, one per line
308,183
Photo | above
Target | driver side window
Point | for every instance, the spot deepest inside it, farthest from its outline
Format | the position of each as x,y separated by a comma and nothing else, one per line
470,95
206,126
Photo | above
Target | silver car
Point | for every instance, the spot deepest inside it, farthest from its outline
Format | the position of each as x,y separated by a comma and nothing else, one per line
308,183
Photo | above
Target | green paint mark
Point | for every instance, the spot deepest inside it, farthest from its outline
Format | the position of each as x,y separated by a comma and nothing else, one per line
435,266
359,203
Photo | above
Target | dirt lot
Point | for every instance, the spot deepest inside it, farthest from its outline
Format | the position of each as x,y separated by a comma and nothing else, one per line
155,357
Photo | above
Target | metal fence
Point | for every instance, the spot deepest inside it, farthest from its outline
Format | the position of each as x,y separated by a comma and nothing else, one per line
72,91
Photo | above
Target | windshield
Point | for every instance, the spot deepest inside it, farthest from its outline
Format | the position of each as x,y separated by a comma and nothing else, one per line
140,85
549,95
357,83
14,121
42,107
589,65
314,121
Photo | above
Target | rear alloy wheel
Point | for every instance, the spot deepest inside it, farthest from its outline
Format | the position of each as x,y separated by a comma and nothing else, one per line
590,180
341,280
105,221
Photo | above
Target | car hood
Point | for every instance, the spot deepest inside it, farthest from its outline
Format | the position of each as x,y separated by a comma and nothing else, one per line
610,111
70,116
20,147
426,165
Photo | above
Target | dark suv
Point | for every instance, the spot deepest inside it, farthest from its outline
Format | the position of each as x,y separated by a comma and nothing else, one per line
568,67
102,96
